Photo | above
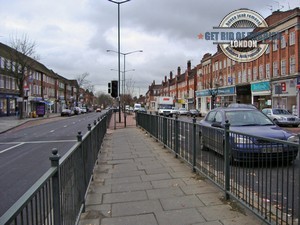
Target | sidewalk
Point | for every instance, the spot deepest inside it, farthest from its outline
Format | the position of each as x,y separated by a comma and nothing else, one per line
138,182
10,122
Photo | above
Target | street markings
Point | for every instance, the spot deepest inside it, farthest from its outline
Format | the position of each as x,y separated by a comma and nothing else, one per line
17,144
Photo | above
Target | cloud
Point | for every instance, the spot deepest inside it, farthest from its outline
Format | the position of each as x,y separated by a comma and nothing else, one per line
72,36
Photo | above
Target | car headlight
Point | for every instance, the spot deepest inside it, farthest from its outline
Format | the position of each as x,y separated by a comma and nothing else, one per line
242,140
293,138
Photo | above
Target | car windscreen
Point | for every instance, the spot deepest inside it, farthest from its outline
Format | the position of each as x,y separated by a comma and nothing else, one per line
280,112
162,106
247,118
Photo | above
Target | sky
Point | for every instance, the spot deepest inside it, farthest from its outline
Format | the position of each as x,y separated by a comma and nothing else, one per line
72,36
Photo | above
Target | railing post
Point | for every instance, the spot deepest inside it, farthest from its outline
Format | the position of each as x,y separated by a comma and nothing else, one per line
55,191
176,136
95,122
89,127
227,160
194,144
165,131
79,136
156,125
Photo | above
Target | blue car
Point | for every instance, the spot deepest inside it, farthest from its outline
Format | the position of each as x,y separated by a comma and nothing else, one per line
252,135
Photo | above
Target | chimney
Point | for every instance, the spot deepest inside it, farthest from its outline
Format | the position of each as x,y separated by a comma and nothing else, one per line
171,75
165,78
153,82
189,65
178,71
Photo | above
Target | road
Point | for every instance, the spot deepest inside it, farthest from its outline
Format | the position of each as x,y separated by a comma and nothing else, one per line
25,152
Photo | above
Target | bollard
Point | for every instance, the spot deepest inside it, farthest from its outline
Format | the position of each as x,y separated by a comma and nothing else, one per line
98,119
79,136
95,122
55,187
89,127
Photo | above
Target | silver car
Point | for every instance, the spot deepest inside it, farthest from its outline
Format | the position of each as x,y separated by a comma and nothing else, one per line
282,117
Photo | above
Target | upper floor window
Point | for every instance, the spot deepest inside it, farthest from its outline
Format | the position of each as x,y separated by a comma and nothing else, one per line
1,81
292,65
275,44
283,67
268,49
255,73
268,70
292,38
261,71
275,69
282,41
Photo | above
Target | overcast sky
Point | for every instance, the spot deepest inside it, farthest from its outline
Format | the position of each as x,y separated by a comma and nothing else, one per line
72,36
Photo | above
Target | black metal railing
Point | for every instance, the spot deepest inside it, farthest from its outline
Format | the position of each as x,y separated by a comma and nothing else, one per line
58,197
267,183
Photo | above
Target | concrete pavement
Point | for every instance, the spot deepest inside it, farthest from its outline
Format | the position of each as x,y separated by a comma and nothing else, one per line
138,182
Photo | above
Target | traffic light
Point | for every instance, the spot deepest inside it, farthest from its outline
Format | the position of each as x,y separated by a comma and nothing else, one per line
109,87
114,88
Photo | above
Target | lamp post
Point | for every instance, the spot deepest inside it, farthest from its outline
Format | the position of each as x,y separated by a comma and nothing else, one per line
119,66
124,71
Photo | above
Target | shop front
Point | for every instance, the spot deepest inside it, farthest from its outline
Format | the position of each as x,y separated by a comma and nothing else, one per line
8,104
223,97
261,94
284,94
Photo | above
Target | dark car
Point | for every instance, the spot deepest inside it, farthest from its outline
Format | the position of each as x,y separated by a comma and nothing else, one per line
250,136
194,112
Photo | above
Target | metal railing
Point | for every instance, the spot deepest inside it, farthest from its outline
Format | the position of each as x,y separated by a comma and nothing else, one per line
267,184
58,197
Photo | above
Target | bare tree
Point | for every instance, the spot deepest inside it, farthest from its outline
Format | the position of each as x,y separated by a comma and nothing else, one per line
104,99
20,63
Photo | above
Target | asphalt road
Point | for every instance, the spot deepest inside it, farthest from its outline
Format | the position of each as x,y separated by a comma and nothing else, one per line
25,152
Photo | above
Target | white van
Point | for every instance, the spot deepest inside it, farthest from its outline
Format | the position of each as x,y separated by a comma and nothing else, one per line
136,107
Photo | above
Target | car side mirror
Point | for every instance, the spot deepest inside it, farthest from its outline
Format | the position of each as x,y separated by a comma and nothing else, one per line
217,124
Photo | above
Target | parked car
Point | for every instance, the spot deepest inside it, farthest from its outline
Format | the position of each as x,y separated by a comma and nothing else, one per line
282,117
194,112
174,111
98,110
254,124
183,111
77,110
83,110
67,112
142,109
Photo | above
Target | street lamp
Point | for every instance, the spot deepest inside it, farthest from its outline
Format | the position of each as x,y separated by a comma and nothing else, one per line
124,54
119,3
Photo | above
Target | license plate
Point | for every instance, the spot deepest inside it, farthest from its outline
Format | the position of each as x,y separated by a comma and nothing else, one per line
271,149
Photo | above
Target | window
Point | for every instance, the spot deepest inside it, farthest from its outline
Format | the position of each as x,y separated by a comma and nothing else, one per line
292,38
282,42
1,81
275,69
261,71
268,49
7,86
275,46
292,65
249,74
224,63
255,73
268,70
220,65
283,67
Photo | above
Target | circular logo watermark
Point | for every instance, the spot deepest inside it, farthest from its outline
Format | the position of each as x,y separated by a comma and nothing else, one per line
241,45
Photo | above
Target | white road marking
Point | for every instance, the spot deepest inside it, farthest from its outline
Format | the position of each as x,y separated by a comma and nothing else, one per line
17,144
5,150
51,131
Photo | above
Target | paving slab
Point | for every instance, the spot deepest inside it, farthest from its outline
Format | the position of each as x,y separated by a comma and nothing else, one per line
138,182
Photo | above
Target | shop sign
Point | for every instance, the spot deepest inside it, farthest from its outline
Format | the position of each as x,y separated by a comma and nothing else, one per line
220,91
261,86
